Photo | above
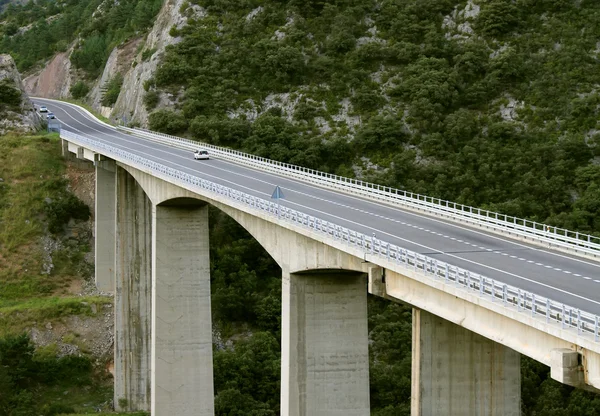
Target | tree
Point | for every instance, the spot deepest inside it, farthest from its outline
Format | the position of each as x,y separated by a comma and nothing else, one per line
79,90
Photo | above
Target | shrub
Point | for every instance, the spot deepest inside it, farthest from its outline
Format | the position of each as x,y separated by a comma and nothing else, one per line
60,211
79,90
112,89
167,122
151,100
9,95
148,53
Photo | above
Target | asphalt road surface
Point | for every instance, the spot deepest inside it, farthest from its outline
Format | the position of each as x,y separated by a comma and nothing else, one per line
568,279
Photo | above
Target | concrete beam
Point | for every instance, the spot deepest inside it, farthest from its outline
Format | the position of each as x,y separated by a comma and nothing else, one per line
133,295
104,225
457,372
567,368
182,372
324,342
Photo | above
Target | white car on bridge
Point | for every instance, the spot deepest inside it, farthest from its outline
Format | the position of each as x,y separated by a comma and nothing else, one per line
201,155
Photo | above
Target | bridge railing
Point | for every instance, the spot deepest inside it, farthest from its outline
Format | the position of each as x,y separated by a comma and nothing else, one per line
572,240
511,297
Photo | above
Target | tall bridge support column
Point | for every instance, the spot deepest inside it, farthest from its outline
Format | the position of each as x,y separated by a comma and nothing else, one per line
324,341
133,294
182,372
105,223
456,372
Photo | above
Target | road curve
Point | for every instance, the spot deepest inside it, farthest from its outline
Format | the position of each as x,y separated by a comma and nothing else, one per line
557,276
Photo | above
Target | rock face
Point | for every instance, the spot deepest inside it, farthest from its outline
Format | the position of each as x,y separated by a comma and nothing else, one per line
54,81
119,62
131,60
16,109
130,105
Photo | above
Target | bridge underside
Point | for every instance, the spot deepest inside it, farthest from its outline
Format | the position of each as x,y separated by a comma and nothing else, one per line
155,256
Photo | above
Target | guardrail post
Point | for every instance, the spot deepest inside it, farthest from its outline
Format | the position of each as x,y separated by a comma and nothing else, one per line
447,273
547,310
468,280
570,317
388,251
493,290
532,304
519,300
564,316
596,329
504,294
481,283
579,321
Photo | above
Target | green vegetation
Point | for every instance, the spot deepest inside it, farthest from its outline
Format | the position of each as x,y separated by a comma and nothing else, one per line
503,119
151,100
35,206
79,90
10,97
111,90
34,31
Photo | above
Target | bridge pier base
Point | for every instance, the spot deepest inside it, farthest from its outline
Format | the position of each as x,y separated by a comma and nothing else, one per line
456,372
182,365
104,225
324,341
133,269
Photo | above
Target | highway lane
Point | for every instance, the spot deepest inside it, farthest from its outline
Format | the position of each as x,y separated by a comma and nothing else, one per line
571,280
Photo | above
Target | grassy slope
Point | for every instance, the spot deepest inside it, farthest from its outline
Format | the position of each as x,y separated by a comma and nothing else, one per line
32,170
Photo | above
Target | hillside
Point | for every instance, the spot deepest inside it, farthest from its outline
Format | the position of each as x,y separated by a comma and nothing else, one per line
488,103
491,104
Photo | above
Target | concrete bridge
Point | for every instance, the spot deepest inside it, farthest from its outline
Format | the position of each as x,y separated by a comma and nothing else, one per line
482,292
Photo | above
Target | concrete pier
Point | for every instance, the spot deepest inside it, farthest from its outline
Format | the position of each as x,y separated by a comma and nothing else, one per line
104,225
132,295
324,341
456,372
182,372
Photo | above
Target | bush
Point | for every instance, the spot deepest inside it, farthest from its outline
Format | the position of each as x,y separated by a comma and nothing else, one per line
60,211
167,122
148,53
9,95
112,89
79,90
151,100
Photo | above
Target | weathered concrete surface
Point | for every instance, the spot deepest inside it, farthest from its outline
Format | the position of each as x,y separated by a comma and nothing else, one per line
456,372
567,367
133,295
324,341
182,367
105,224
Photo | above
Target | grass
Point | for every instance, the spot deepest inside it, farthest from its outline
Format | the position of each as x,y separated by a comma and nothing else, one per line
17,316
28,166
32,172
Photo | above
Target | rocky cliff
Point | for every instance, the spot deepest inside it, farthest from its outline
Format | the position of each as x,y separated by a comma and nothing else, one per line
16,109
54,80
130,105
135,60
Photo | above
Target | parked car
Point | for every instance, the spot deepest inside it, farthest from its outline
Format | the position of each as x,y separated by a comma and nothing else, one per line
43,109
201,155
50,115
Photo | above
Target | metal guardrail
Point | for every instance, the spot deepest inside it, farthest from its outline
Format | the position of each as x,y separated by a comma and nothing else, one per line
509,296
560,237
